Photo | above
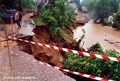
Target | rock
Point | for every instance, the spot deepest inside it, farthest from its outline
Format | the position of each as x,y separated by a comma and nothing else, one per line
81,19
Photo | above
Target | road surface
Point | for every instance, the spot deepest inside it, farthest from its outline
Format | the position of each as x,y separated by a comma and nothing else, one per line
26,68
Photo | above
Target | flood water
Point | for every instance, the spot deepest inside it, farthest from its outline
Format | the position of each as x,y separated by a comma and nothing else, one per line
108,37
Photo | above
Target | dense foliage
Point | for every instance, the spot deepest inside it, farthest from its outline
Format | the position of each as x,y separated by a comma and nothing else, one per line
57,14
116,20
27,4
78,4
90,4
98,67
96,48
102,8
105,8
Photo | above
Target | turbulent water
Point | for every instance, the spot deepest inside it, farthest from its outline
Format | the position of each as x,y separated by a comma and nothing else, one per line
108,37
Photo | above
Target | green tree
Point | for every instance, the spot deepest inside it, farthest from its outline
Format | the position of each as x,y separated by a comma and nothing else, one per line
77,2
102,8
90,4
94,66
57,14
116,20
96,48
27,4
105,8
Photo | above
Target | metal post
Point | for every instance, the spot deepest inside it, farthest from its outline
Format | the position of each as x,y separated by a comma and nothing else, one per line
13,30
12,26
9,53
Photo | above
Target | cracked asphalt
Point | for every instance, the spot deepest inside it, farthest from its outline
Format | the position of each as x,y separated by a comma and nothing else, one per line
26,68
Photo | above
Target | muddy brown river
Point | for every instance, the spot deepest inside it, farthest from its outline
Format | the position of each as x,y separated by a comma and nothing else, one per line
108,37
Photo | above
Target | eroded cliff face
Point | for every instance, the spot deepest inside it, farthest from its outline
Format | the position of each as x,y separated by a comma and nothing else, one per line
41,53
44,54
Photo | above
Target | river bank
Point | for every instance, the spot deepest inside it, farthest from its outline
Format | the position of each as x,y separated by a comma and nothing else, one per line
108,37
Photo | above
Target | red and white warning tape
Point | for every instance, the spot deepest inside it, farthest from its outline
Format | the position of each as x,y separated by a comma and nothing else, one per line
77,73
92,55
73,72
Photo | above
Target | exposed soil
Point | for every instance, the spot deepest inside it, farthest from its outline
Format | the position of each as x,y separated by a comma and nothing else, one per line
42,53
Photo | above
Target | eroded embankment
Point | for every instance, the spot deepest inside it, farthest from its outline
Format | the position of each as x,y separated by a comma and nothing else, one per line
42,35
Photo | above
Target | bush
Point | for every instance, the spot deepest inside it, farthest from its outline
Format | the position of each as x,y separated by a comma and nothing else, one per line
56,14
106,22
38,21
112,53
97,67
116,19
96,48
